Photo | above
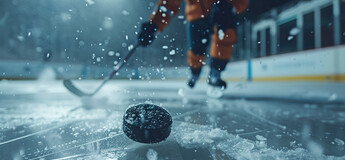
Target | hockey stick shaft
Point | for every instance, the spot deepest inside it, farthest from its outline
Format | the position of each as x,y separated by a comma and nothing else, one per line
69,85
124,61
117,67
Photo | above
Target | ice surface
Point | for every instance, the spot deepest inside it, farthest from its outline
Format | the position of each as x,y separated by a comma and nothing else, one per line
260,138
41,119
214,92
194,136
94,102
315,148
152,154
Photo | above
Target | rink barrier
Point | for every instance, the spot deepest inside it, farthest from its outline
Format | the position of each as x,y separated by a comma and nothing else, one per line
302,78
324,64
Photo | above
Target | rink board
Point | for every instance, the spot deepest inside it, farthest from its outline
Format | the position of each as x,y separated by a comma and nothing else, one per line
325,64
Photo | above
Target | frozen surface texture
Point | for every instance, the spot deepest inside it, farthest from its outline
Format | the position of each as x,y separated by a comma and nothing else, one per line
42,120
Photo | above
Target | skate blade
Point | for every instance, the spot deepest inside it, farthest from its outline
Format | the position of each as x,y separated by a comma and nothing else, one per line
215,92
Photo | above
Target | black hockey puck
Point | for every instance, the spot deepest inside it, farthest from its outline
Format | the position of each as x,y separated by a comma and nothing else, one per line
147,123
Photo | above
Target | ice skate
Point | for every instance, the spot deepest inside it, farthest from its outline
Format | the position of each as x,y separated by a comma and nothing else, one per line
216,84
191,83
216,87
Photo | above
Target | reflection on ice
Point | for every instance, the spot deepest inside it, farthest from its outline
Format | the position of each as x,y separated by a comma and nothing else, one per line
94,103
152,154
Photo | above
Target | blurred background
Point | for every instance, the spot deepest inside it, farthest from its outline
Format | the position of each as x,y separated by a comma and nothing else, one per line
300,43
277,40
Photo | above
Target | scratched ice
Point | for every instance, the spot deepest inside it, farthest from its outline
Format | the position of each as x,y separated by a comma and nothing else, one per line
44,121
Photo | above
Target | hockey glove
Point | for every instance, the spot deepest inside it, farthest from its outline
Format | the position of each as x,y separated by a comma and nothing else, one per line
147,34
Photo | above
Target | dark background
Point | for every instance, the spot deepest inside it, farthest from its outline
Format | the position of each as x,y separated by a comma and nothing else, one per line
87,31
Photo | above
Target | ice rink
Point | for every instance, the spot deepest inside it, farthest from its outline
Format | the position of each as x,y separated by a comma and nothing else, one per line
296,120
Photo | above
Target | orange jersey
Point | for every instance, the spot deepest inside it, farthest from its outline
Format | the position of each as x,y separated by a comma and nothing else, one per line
194,10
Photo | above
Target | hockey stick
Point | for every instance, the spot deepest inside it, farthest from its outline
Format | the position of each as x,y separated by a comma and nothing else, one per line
72,88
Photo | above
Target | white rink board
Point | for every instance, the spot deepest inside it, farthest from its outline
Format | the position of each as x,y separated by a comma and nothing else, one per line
341,60
236,70
304,63
317,62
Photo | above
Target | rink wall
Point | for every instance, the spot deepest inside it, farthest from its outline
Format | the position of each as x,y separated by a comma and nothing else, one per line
325,64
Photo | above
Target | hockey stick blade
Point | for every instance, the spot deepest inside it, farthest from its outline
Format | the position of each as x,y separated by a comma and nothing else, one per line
72,88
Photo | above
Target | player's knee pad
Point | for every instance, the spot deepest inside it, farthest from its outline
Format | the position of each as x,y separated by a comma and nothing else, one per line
195,61
223,43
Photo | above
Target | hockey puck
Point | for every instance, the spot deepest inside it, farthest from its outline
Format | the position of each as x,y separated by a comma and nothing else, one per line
147,123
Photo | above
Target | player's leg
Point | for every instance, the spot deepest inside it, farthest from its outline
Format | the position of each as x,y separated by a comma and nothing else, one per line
223,38
198,35
221,52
